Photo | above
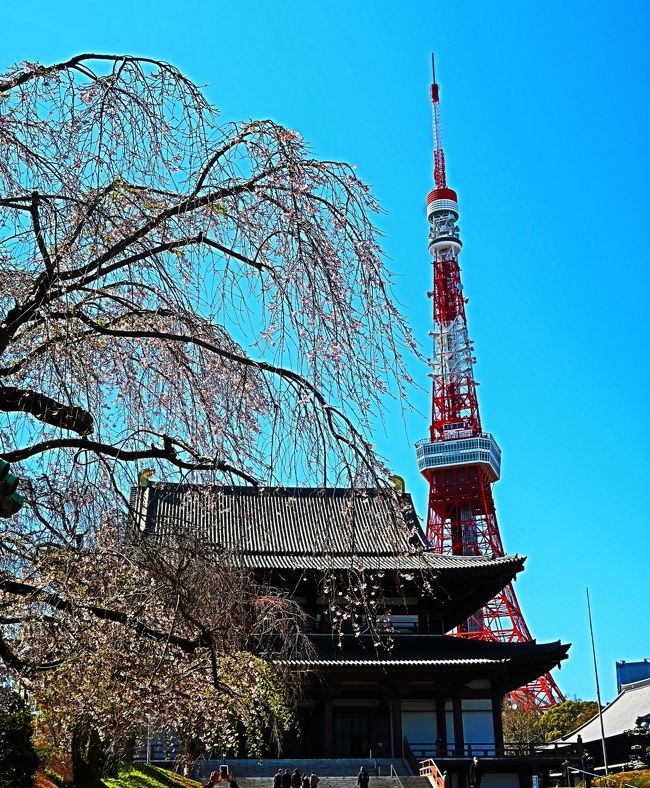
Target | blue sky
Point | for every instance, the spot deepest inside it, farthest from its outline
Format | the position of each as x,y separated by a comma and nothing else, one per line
545,122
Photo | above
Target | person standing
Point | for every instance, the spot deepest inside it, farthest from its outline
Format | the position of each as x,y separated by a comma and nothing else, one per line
363,778
277,779
222,777
314,779
588,764
475,773
295,779
286,779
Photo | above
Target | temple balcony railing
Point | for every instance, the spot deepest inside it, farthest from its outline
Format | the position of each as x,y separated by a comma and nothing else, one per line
398,624
538,750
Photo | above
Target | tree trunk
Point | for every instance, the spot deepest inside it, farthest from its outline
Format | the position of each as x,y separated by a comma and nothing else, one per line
87,756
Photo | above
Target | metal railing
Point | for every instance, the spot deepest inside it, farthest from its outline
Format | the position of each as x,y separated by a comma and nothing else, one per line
428,768
538,750
602,781
394,774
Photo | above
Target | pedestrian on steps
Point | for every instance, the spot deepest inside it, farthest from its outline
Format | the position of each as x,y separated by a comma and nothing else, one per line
475,773
295,780
314,779
304,783
286,779
224,775
277,779
363,778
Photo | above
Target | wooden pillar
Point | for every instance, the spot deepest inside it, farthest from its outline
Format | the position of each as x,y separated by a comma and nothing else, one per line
397,745
458,725
328,729
441,724
498,725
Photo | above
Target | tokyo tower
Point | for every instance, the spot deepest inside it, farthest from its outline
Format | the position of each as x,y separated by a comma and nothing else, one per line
460,461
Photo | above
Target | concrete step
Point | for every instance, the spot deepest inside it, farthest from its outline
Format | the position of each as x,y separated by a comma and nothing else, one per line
344,782
325,782
259,774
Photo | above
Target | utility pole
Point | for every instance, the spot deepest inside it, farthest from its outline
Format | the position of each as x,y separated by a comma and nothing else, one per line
600,705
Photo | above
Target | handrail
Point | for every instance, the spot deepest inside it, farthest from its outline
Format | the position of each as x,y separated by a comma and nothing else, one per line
409,756
600,777
429,768
394,774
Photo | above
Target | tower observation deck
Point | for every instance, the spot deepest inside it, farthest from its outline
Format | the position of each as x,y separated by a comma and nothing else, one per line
459,460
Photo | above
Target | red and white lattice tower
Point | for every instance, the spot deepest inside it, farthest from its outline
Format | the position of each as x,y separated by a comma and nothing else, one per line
460,461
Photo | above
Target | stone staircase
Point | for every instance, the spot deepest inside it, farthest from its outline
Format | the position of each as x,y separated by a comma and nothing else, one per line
333,772
332,782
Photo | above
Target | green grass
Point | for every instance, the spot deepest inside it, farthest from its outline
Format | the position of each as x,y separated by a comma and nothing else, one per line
142,776
640,779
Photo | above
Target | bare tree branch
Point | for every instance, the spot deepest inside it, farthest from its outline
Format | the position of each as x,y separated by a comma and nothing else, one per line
169,452
57,602
38,232
46,409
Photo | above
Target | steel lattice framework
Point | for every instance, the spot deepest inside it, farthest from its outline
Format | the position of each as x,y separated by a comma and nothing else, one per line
459,460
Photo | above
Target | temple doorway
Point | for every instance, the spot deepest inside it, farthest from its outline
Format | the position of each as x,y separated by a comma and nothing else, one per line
352,728
359,731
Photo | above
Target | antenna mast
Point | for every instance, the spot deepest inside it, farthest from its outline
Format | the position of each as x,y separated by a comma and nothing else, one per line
439,173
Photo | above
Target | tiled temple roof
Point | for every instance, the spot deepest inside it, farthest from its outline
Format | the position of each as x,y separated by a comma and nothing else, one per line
618,716
305,528
513,664
330,649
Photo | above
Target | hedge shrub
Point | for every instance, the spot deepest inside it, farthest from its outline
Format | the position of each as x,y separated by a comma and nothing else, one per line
18,759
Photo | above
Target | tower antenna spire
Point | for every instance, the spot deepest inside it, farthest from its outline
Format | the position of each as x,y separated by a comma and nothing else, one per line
439,174
459,460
